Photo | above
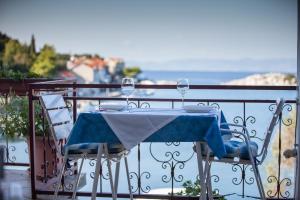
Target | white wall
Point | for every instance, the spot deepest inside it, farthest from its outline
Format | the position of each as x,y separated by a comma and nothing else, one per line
85,72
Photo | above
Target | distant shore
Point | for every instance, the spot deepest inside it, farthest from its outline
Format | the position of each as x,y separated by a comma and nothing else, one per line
266,79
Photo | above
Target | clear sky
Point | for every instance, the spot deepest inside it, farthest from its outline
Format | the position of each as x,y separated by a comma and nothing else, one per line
157,30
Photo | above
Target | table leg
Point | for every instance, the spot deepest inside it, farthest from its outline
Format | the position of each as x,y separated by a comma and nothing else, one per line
201,171
97,171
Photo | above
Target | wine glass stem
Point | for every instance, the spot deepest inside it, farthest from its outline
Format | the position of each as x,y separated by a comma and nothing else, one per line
127,102
182,98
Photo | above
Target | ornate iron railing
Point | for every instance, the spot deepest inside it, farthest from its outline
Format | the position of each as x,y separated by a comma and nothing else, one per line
169,167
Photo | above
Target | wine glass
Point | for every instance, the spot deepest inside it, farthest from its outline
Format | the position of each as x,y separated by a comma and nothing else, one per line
107,80
127,88
182,87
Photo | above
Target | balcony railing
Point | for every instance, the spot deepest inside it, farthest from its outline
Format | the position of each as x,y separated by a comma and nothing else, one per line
168,165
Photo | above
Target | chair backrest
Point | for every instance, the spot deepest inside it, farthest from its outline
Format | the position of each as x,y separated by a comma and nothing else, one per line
270,129
57,114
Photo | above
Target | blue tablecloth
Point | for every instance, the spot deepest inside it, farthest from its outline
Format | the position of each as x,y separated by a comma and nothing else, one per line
92,128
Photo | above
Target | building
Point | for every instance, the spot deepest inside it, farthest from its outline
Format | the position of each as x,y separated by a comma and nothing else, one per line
88,70
95,70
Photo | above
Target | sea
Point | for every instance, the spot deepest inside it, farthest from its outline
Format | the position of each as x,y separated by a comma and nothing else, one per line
196,77
155,173
212,78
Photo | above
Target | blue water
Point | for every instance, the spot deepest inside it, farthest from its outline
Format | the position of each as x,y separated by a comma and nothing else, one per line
212,78
231,110
196,77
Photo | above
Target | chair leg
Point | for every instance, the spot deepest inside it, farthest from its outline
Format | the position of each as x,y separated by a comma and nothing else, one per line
258,181
201,171
60,176
208,182
128,178
100,185
77,178
110,173
97,171
111,180
117,173
256,173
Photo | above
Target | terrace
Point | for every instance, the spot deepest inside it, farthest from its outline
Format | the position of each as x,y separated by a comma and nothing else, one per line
156,170
168,165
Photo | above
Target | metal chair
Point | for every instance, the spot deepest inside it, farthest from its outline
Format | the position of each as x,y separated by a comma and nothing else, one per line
60,124
245,152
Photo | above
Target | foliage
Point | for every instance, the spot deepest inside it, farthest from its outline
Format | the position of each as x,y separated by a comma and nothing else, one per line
23,59
194,189
45,61
290,77
3,40
14,117
17,56
131,71
190,188
61,60
6,72
87,55
32,51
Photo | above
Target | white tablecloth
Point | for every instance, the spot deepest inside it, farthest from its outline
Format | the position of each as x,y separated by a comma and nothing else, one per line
134,126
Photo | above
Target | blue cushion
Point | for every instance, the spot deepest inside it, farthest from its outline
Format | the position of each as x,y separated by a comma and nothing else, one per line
226,135
115,148
91,148
239,149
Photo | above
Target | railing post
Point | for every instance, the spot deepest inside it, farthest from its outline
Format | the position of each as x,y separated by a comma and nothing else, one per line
297,178
32,141
74,102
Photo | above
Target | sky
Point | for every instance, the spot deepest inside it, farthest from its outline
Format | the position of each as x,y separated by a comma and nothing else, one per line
159,31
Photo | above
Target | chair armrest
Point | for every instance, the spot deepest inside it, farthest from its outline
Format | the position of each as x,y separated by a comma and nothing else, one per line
237,132
236,125
244,134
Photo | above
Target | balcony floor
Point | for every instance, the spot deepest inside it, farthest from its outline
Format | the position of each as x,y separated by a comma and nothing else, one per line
22,179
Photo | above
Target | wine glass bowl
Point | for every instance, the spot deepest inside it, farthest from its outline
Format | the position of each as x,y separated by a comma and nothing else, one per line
127,88
182,87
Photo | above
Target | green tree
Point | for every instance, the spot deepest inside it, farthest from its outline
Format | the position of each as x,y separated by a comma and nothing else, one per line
22,59
3,39
10,50
131,71
32,49
61,61
45,62
16,56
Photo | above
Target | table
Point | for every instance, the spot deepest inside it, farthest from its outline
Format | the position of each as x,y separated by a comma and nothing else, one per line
181,127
